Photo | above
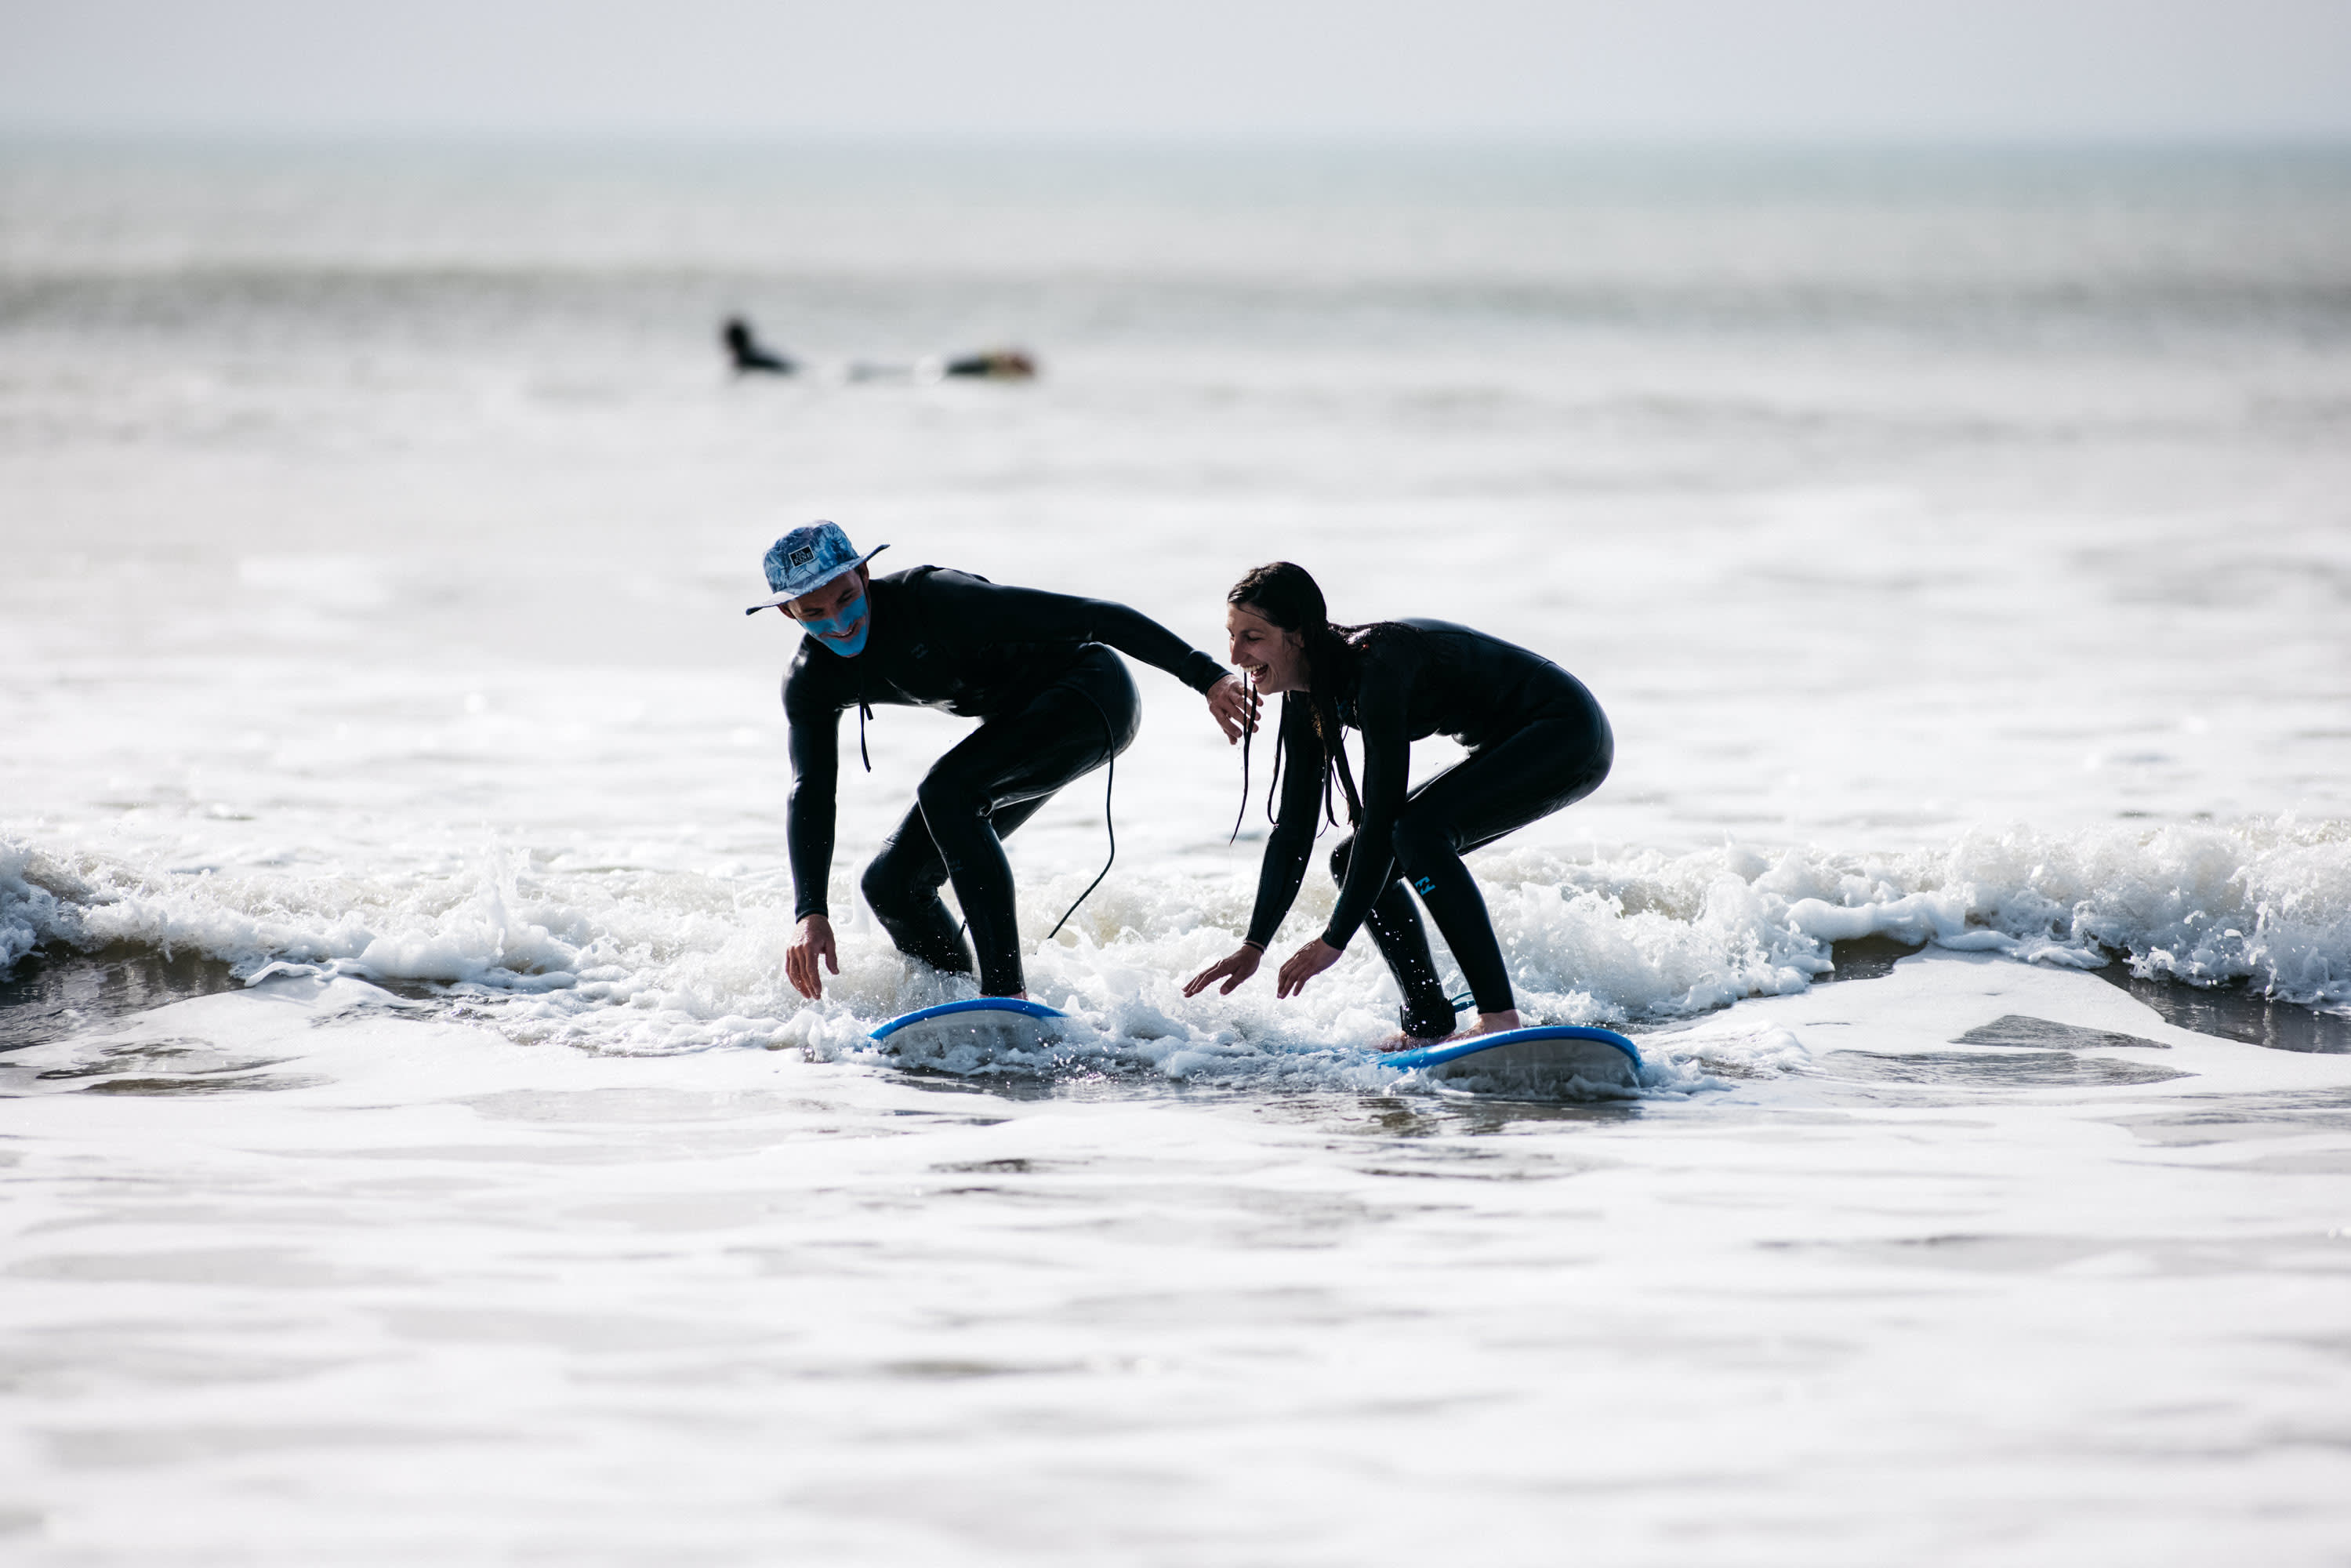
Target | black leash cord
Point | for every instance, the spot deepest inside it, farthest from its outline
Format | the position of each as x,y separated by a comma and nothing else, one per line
1108,826
1109,738
1249,733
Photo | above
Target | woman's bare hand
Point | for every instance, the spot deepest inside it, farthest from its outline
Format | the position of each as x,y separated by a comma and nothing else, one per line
1304,964
1233,707
814,942
1232,969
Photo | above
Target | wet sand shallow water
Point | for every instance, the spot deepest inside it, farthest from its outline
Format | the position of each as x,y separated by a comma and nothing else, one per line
733,1304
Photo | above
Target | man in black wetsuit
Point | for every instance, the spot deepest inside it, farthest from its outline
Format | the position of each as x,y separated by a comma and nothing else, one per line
1036,668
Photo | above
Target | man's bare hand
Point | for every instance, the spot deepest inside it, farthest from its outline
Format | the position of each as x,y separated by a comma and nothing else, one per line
1233,707
1232,970
814,942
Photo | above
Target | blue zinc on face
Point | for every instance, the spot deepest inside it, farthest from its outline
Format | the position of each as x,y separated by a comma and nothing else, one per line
829,630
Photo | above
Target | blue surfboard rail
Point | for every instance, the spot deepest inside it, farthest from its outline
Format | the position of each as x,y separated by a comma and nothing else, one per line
1019,1005
1431,1055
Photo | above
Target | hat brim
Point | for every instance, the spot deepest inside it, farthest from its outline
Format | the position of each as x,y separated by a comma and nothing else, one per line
820,582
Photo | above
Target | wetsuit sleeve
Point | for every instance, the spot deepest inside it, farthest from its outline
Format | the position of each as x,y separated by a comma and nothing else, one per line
1386,685
812,736
1288,847
977,613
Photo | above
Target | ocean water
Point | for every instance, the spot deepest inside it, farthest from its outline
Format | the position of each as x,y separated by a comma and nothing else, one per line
415,1153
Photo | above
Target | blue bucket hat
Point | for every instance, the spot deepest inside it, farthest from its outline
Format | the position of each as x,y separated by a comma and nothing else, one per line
806,559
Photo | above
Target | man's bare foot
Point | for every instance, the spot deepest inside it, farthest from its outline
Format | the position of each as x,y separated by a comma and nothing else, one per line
1411,1042
1496,1023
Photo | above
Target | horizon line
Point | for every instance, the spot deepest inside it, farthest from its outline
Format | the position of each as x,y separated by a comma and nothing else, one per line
1088,143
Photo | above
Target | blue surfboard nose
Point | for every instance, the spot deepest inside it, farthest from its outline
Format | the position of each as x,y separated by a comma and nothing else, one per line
1547,1058
960,1034
1015,1006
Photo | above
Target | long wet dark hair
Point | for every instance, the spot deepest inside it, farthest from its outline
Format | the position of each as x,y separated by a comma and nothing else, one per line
1287,594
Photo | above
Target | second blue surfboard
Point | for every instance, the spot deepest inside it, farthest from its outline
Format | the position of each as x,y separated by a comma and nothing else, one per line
1546,1059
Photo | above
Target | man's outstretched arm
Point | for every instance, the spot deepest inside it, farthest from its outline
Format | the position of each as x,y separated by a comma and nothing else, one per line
977,613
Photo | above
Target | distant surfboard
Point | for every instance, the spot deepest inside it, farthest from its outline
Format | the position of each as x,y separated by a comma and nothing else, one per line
1549,1059
980,1025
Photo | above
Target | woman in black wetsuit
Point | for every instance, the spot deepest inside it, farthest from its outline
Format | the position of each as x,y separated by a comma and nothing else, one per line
1537,742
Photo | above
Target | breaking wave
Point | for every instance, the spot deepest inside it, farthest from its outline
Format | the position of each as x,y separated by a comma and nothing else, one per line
651,962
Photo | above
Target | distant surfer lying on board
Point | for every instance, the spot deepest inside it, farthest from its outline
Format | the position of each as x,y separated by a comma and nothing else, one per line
1537,742
1035,668
749,356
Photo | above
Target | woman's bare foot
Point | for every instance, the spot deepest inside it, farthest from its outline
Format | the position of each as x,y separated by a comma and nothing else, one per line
1487,1023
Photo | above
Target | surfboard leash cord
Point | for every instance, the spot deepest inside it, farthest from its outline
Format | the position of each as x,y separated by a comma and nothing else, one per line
1110,827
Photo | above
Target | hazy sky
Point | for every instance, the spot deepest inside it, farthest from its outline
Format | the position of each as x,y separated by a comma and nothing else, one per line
1649,69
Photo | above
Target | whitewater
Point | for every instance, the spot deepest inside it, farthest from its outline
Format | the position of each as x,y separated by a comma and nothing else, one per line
414,1152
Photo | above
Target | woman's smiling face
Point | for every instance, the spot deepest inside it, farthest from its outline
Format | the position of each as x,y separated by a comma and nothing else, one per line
1273,658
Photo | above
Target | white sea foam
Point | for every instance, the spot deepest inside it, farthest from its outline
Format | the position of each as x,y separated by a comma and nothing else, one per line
637,963
30,912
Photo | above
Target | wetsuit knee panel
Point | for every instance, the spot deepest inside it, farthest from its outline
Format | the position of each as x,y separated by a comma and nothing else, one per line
885,889
945,794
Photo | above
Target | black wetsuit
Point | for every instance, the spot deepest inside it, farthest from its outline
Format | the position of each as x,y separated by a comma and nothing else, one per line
749,354
1056,702
1536,740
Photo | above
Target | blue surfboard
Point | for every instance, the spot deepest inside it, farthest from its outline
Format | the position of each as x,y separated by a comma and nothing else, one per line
977,1027
1546,1059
